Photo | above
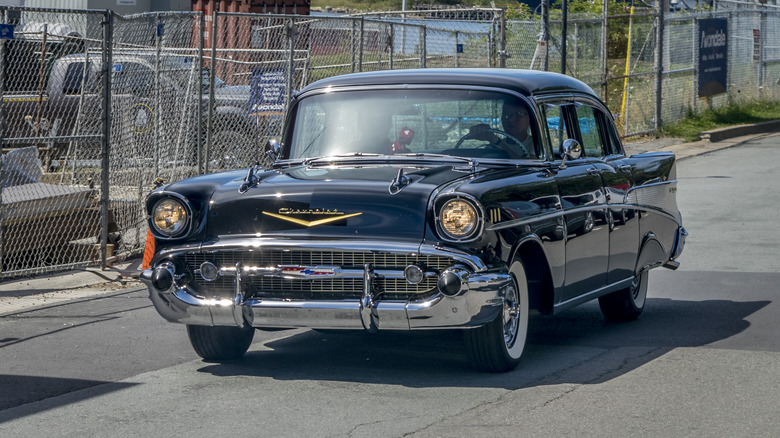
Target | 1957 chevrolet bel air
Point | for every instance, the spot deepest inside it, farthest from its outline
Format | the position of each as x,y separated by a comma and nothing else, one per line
419,199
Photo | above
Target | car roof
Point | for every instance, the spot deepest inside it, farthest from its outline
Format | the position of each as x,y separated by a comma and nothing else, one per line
526,82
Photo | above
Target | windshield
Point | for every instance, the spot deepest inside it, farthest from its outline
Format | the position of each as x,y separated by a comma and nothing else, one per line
463,123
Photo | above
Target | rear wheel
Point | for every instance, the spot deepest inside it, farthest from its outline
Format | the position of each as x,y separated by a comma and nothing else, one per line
220,343
626,304
497,346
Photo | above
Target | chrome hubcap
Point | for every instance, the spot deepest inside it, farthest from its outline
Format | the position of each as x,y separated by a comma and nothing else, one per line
511,315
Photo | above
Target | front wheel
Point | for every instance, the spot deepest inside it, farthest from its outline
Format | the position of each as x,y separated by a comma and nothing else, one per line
220,343
497,346
626,304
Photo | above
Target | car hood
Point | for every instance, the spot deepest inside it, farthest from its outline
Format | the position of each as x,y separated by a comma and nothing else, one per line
328,203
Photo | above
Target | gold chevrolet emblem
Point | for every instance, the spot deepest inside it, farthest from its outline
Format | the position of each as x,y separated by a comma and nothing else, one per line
337,217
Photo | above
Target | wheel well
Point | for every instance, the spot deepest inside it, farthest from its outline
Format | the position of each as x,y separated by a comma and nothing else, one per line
651,253
537,272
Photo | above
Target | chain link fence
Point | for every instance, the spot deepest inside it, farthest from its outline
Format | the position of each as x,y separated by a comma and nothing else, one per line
96,107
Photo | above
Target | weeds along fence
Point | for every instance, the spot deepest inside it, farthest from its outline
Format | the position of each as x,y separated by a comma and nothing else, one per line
96,107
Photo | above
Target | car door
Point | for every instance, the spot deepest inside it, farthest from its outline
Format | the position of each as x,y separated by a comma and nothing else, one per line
584,206
602,149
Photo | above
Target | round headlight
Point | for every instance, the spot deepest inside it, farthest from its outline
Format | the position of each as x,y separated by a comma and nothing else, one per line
458,218
169,217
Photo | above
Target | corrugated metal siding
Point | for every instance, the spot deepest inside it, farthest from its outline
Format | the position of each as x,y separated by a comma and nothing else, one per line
59,4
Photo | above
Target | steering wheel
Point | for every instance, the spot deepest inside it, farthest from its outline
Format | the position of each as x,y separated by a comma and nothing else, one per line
491,130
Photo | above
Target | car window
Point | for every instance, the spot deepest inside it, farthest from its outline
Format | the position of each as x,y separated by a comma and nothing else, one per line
592,143
74,76
557,129
464,123
611,137
132,78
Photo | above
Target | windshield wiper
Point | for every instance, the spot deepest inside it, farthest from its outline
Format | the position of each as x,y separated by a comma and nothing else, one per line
314,140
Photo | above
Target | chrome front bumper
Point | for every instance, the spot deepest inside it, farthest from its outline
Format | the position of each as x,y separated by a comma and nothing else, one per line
478,301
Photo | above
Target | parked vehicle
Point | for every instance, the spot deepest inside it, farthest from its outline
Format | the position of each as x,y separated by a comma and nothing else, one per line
70,104
415,200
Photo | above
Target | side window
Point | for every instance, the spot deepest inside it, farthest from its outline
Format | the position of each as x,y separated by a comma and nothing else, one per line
592,143
74,77
132,78
611,137
557,128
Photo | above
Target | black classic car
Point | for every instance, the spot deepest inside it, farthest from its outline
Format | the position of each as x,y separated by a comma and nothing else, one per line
419,199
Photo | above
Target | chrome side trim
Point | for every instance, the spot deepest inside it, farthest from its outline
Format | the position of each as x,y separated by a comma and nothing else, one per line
537,217
622,284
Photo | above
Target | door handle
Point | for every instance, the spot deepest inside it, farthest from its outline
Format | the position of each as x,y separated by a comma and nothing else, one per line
625,168
592,171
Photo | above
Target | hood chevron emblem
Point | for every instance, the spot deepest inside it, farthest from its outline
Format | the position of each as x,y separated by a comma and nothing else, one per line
311,223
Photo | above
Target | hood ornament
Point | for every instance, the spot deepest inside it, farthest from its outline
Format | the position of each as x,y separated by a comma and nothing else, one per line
251,179
399,182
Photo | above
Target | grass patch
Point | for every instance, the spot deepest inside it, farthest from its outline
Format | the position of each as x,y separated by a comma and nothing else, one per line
732,115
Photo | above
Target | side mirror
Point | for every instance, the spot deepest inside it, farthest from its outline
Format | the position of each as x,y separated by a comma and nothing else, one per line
570,150
273,149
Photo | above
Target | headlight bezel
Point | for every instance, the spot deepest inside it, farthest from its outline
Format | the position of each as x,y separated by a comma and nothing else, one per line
187,222
478,222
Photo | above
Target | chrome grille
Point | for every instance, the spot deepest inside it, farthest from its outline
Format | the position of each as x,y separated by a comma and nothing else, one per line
320,288
313,258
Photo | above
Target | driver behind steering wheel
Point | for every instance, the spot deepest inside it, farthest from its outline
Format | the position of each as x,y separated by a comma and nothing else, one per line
515,121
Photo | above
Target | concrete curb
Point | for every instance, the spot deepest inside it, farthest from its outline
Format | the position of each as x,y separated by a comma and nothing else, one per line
724,138
721,134
45,290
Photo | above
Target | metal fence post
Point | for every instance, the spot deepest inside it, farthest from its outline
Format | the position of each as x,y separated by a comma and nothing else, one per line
546,33
660,10
391,43
695,57
604,64
730,29
564,33
291,68
762,37
107,61
576,49
502,54
423,48
352,45
2,120
198,130
490,44
212,75
457,58
158,104
360,44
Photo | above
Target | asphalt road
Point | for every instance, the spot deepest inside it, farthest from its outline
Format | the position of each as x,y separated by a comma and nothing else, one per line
703,360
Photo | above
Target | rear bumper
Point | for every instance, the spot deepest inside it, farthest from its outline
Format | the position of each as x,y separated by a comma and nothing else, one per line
677,249
478,301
